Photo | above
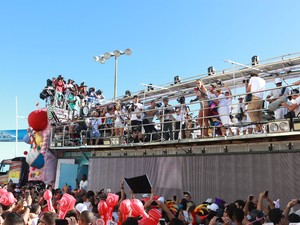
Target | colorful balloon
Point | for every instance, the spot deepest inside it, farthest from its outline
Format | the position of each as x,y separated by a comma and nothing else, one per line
48,197
66,203
125,208
103,210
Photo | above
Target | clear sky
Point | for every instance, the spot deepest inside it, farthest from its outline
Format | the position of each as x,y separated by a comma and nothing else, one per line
42,39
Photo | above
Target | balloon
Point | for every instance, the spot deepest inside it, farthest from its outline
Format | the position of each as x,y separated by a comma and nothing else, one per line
66,203
111,201
26,139
38,120
147,221
48,197
138,208
125,208
155,214
103,209
2,191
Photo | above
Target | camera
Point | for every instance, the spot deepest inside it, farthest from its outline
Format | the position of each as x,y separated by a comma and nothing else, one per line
266,193
219,82
251,197
158,105
245,81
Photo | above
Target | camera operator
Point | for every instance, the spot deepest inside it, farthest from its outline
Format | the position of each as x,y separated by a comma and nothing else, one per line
166,119
181,117
276,94
150,113
136,115
295,106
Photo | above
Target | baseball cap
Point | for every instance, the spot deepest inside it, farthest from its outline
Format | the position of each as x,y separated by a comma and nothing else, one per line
213,207
187,193
278,80
80,207
7,199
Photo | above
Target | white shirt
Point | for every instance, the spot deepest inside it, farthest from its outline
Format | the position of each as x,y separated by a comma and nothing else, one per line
297,110
83,184
257,84
137,114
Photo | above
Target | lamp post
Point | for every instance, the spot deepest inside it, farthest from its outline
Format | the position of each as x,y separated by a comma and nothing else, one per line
108,55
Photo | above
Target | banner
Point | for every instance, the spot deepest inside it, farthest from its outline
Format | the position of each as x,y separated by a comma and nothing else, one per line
10,135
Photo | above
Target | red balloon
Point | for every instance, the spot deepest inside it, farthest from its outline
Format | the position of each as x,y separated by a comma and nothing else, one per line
38,120
147,221
138,208
125,208
48,197
103,209
111,201
155,214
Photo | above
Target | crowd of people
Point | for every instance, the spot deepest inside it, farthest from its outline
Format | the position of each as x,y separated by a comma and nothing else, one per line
37,204
92,120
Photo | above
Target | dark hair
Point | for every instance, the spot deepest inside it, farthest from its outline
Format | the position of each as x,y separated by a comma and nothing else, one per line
14,219
294,218
238,215
71,213
34,208
49,218
295,91
130,221
4,207
240,203
230,209
176,221
275,215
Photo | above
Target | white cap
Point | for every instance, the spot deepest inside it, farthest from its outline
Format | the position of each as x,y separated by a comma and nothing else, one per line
161,199
213,207
80,207
278,80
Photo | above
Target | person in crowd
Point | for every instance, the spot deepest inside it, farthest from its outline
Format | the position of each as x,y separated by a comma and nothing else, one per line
91,97
109,120
223,110
277,93
241,116
119,121
94,124
256,87
136,118
166,118
73,104
34,213
131,221
14,219
48,218
295,106
83,184
59,91
149,126
86,218
202,96
181,118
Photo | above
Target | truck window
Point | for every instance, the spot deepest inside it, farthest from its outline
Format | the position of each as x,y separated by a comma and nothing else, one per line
4,168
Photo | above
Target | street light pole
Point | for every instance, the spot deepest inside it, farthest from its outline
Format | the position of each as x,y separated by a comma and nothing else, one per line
116,78
108,55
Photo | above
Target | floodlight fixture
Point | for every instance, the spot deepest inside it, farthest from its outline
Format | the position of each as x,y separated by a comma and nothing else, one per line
117,53
127,51
107,55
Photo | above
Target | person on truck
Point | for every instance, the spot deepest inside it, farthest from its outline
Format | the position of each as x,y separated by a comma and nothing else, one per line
83,184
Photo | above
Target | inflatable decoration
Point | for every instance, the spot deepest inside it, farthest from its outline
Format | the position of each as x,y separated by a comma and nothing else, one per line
66,203
125,208
38,137
138,208
111,201
38,120
103,210
48,197
155,215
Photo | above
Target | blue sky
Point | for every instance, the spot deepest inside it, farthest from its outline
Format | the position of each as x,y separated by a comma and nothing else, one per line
42,39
